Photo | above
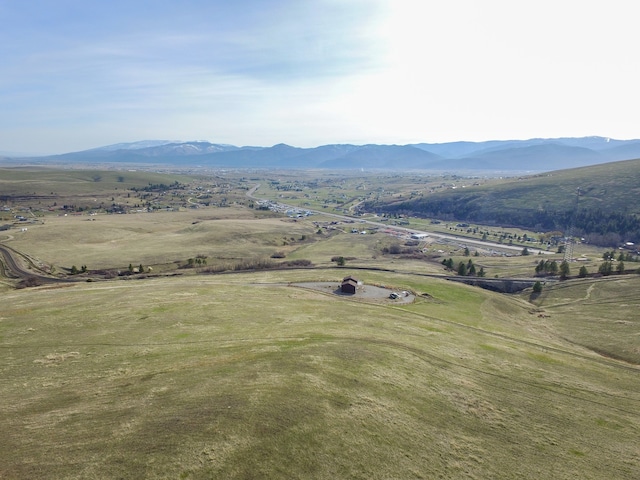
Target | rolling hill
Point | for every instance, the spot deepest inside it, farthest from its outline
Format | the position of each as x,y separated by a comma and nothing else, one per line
169,378
602,202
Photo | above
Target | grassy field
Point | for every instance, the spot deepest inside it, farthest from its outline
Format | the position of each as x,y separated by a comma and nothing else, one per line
609,307
165,240
242,376
106,241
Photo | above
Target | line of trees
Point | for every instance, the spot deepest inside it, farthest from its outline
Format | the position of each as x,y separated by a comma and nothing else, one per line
547,267
608,267
200,260
464,268
76,271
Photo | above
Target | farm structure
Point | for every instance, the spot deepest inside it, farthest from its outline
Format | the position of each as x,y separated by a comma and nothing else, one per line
349,285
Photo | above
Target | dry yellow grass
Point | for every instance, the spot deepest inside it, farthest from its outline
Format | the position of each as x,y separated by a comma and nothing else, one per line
241,376
107,241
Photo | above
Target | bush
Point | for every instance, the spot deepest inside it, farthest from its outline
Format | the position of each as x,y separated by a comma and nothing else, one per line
395,249
29,282
257,264
302,262
537,287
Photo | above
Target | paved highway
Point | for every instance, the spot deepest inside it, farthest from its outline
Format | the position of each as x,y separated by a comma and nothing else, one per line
15,270
443,236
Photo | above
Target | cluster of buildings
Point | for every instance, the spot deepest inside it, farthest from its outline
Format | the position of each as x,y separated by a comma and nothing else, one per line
284,209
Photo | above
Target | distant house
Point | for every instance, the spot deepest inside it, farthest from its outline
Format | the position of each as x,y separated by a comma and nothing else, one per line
349,285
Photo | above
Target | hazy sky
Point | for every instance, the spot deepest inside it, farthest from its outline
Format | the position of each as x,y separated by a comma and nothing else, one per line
77,74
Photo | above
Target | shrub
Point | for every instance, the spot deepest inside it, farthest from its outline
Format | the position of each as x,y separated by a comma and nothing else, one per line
302,262
29,282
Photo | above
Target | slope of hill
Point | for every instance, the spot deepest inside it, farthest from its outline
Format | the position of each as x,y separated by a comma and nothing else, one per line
541,157
384,156
135,145
506,155
602,202
169,378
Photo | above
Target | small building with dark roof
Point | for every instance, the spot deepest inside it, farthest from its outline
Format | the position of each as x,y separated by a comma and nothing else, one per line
349,285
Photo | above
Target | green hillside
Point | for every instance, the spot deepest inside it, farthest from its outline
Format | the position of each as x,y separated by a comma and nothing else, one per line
243,376
602,202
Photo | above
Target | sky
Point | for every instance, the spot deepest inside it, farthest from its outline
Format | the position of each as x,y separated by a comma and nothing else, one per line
79,74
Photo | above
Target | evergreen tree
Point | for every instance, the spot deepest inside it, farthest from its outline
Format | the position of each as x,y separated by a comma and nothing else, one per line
448,263
564,270
583,272
605,268
462,269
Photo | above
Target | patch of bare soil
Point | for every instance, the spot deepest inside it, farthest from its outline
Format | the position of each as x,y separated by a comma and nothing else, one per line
369,293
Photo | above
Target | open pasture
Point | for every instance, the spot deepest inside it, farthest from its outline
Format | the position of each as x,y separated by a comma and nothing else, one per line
112,241
39,188
599,314
242,376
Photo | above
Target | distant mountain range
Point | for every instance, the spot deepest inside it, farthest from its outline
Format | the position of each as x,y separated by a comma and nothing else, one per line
497,155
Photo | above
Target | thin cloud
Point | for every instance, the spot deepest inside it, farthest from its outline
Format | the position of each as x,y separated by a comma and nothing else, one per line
327,71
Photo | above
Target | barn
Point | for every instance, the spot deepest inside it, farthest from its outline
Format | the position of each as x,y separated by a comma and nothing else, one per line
349,285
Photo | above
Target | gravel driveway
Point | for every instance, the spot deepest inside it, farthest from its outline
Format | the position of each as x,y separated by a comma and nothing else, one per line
365,292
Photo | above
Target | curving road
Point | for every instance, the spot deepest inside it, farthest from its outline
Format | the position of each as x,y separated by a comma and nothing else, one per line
11,268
